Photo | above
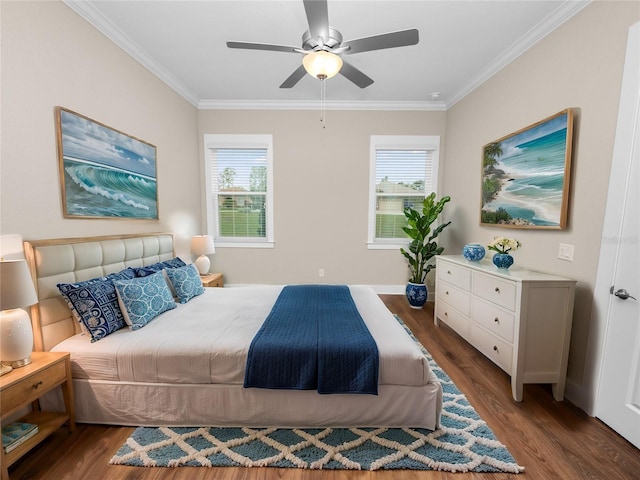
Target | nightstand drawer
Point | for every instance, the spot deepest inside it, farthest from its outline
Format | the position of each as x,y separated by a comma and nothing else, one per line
33,387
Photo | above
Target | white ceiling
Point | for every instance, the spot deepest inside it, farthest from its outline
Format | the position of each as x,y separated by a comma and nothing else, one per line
462,43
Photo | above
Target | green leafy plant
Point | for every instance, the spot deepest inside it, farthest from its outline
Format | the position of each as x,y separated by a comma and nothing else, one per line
423,246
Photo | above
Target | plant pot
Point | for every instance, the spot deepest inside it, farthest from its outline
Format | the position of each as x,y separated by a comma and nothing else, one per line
416,294
502,260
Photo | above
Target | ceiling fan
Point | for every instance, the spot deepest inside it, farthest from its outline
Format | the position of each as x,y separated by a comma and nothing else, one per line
322,46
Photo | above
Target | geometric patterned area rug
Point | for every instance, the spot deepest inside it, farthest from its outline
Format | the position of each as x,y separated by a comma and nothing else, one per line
462,443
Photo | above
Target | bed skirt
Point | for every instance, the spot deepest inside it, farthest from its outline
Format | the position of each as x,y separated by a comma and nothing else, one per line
196,405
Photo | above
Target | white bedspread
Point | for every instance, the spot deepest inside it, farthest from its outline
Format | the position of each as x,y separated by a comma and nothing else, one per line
206,342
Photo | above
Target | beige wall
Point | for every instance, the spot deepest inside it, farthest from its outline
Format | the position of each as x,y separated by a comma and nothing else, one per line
580,66
50,57
321,195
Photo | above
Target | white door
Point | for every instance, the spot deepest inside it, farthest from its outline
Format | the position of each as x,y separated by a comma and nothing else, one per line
618,400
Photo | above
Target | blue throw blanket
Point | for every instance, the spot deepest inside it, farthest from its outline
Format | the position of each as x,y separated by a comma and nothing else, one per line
314,338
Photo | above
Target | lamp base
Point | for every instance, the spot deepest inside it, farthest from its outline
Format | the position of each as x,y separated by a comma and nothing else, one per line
16,338
17,363
5,369
203,264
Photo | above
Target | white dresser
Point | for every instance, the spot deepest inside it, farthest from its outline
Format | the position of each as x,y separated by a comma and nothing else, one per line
518,318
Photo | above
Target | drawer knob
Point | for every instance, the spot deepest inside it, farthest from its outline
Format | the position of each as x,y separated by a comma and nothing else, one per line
446,314
448,272
36,385
497,290
447,292
495,349
497,320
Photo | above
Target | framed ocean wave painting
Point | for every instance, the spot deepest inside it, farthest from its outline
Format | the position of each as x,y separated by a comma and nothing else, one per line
104,173
526,176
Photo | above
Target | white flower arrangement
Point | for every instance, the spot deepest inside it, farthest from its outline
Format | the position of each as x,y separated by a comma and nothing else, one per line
504,244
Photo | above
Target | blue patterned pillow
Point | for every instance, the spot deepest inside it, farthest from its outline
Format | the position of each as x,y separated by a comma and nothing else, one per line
143,299
94,303
186,282
156,267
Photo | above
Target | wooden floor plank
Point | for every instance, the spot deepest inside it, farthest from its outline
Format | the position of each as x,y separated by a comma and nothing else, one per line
553,440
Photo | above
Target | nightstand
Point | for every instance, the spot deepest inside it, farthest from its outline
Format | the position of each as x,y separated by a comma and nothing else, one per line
212,280
26,385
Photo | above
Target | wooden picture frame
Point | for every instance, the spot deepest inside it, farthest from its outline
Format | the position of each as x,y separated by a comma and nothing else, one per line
526,175
104,173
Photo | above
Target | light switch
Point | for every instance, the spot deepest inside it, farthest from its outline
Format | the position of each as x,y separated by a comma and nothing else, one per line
565,252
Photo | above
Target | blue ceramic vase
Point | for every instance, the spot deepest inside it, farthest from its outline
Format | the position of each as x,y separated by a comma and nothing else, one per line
416,294
502,260
474,252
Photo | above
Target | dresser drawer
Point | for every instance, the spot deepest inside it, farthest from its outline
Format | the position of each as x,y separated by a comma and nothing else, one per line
453,318
494,348
493,318
33,387
496,290
454,274
458,299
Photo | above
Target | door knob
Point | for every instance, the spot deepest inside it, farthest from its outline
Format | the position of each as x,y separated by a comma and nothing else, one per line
622,294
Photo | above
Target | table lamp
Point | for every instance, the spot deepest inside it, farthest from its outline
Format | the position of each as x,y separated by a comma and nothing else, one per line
201,246
16,291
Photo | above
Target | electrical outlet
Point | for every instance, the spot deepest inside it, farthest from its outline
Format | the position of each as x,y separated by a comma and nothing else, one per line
321,272
565,252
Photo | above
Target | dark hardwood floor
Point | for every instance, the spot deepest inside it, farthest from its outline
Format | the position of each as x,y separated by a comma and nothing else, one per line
552,440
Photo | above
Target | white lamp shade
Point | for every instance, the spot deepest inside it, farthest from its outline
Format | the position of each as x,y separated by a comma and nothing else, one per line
16,285
16,291
322,64
202,245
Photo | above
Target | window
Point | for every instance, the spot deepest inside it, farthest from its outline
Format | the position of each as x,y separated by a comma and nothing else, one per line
404,170
239,189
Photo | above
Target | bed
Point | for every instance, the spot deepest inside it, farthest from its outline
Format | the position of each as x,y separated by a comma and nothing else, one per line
186,367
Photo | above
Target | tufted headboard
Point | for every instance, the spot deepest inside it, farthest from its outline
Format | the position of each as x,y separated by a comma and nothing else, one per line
69,260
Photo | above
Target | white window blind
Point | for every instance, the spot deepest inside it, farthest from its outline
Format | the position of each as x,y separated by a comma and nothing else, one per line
404,171
240,193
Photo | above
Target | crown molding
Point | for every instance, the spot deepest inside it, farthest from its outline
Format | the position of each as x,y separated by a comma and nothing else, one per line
315,105
92,15
552,21
88,12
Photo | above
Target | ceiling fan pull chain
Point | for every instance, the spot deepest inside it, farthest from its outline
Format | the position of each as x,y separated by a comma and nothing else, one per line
322,101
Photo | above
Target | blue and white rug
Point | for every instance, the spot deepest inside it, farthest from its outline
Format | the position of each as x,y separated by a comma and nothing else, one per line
463,443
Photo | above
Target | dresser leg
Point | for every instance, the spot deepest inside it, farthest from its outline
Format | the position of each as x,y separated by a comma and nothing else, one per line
558,391
516,390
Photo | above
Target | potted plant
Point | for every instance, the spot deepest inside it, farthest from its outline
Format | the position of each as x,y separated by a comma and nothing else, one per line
423,246
502,246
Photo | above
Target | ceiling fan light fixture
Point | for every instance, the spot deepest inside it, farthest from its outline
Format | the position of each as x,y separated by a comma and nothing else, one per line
322,64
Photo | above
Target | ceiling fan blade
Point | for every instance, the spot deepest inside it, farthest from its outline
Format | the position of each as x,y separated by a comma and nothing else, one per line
262,46
318,18
402,38
294,77
356,76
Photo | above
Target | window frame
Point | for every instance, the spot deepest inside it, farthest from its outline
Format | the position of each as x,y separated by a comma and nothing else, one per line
239,141
430,143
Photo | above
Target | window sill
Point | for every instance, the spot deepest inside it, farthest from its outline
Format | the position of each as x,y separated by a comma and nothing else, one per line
220,244
385,246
